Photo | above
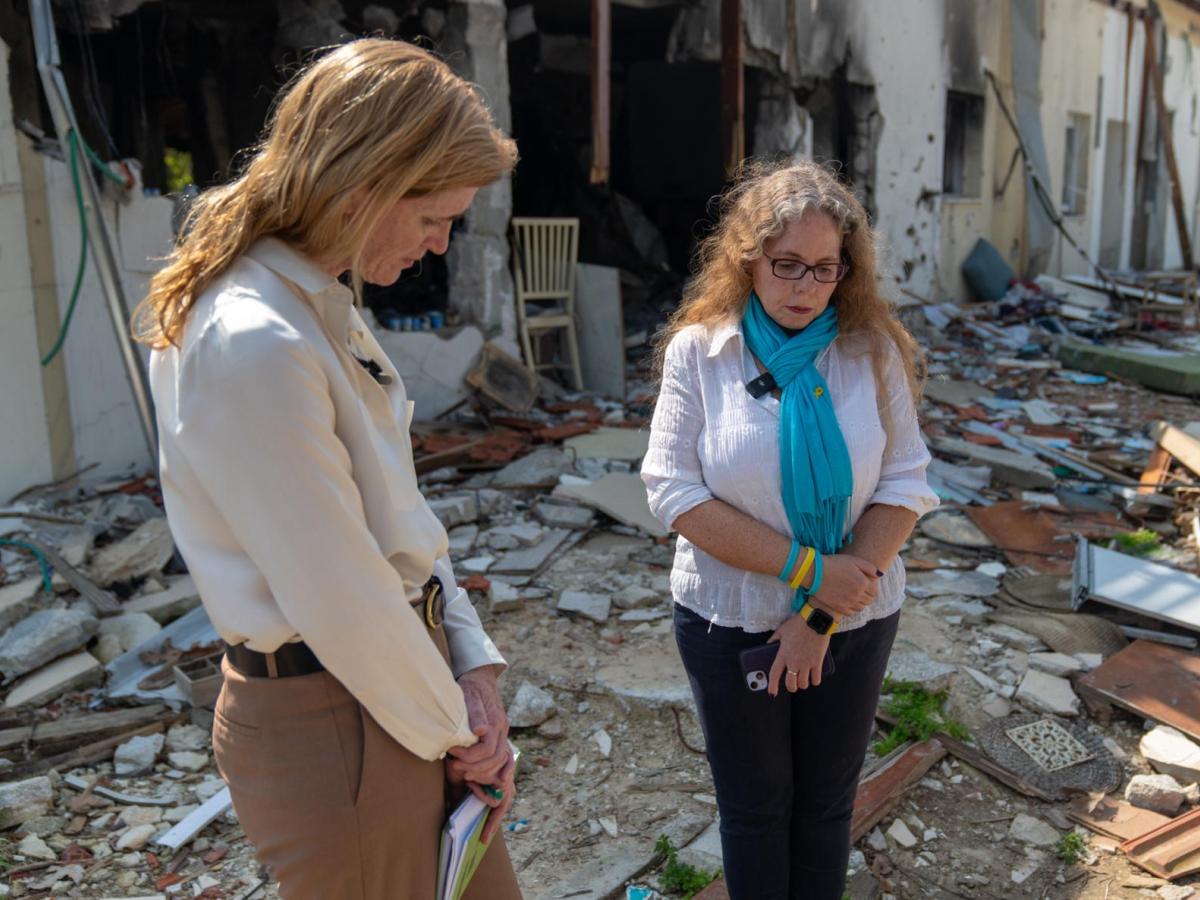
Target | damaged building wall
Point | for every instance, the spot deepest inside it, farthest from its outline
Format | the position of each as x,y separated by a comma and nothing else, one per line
1181,89
1069,99
106,428
480,283
25,454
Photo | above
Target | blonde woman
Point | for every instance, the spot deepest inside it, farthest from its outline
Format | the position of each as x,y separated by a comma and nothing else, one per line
785,451
360,689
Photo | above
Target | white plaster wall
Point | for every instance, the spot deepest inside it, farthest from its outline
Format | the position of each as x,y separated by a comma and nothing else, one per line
24,441
107,429
1120,101
1072,60
910,86
1181,90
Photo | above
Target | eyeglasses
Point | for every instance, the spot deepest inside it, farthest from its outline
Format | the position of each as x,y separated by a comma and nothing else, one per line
793,270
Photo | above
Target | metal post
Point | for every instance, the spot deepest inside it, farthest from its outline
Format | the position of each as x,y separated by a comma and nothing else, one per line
59,101
601,89
733,86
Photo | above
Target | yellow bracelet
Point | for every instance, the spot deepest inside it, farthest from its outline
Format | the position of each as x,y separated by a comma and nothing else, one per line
798,579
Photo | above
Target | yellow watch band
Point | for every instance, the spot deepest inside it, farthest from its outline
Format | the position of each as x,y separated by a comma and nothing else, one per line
806,612
809,555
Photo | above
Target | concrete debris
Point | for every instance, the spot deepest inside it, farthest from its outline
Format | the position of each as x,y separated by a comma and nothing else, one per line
1171,752
186,737
620,495
177,598
1159,793
957,584
67,673
1048,693
503,597
920,668
1014,637
591,606
540,469
900,833
130,629
1175,892
21,801
1030,830
18,600
531,706
1055,663
462,539
135,838
457,509
142,553
560,515
604,742
138,755
188,760
876,841
34,847
42,637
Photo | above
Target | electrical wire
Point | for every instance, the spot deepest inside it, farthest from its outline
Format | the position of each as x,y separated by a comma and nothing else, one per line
47,585
73,159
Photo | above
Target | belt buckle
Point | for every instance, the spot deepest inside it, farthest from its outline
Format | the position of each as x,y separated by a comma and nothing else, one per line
435,606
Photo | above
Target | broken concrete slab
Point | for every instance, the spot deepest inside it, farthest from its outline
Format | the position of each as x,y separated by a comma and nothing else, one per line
943,582
591,606
561,515
540,469
920,668
610,443
147,550
705,851
130,629
973,612
21,801
179,598
654,677
503,597
989,684
455,509
1014,637
522,534
1055,663
952,527
531,706
1007,466
1159,793
432,365
620,495
1048,693
901,834
18,600
42,637
1171,752
1030,830
138,754
68,673
530,559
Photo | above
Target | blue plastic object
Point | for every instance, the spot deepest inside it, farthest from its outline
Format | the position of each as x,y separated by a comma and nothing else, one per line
986,273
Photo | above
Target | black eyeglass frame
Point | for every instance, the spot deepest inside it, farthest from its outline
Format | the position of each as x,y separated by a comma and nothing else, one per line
842,267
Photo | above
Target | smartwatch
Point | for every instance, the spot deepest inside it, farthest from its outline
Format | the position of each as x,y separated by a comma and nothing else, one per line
818,620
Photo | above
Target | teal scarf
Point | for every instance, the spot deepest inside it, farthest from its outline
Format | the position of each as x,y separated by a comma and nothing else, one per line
817,478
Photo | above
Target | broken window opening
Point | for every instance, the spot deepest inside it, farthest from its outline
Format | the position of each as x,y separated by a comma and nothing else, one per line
1075,165
962,165
846,126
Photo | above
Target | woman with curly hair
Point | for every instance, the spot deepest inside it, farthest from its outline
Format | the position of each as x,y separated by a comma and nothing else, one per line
360,688
786,453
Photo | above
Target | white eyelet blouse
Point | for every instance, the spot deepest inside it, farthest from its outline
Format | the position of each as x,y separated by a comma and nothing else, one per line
710,439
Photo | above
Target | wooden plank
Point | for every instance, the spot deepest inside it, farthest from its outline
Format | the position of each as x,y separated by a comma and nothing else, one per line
101,599
89,753
601,89
1155,473
197,821
1178,443
733,85
882,789
1150,680
66,733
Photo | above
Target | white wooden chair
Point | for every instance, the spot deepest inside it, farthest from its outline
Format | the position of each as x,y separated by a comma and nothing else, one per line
545,252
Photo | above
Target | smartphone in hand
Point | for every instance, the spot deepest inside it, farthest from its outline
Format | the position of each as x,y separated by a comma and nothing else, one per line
757,662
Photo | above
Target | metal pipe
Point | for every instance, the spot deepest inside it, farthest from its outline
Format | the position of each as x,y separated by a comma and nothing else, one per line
63,114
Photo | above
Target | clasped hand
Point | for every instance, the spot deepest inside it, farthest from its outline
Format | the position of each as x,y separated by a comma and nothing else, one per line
487,763
848,586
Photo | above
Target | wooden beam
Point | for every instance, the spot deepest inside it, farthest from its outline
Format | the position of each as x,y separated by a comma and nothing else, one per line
1164,127
1176,442
601,89
733,86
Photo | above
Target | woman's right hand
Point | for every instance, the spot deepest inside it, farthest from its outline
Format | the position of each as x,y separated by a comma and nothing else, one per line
848,585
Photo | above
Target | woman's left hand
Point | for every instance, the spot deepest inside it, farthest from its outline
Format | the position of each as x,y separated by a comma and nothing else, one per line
801,650
482,762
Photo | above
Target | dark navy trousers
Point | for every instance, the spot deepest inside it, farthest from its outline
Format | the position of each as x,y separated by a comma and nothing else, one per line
785,769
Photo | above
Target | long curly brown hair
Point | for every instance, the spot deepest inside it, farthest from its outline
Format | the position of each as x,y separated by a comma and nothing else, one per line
760,203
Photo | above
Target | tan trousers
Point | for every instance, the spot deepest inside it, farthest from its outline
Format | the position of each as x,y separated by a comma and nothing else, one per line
335,808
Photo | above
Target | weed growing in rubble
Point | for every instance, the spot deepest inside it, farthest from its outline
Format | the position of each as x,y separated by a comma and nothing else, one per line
680,878
918,715
1142,542
1071,847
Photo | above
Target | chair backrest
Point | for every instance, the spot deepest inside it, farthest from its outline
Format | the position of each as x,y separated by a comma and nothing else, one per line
544,256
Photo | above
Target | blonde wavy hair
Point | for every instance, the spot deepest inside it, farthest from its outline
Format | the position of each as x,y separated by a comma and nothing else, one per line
363,126
763,200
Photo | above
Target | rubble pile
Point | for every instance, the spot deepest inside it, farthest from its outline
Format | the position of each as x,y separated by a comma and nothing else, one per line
1054,611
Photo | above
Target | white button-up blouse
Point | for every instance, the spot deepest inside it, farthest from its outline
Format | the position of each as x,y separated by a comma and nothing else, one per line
710,439
288,479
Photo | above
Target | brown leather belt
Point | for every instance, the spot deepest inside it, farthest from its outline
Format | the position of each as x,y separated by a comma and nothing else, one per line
294,659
